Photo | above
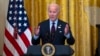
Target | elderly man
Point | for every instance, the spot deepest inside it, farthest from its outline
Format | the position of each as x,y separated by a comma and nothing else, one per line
53,30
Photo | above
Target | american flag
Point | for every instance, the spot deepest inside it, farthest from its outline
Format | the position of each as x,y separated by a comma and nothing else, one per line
17,32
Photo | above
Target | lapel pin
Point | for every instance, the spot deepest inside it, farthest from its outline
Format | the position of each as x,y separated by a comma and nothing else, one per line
59,26
60,31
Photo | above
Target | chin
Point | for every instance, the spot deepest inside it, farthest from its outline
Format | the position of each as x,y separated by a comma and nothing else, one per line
53,19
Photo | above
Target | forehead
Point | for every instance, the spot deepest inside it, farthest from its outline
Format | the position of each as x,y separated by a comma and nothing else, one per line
53,7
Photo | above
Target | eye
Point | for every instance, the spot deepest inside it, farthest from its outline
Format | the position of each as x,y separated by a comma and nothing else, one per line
50,11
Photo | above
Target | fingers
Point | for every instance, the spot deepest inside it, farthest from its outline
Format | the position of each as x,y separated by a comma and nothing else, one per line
37,30
38,27
66,29
67,26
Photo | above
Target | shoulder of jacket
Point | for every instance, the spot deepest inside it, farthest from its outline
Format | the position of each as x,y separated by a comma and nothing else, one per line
63,22
43,22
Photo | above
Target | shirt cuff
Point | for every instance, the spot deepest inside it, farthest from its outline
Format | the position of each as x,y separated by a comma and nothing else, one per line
67,35
36,37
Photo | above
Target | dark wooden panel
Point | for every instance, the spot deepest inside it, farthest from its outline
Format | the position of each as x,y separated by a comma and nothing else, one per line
98,47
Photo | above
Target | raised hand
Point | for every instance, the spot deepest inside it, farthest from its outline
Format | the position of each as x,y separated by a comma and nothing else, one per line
66,30
37,30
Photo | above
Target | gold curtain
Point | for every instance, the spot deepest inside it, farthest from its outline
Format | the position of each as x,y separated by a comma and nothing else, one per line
77,14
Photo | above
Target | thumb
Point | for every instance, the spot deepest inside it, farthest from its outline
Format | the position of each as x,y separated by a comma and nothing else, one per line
38,27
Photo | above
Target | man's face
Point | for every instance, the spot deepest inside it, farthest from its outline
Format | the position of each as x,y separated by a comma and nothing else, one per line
53,12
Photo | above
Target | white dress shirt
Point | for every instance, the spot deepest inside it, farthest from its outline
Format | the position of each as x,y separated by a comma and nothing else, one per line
50,22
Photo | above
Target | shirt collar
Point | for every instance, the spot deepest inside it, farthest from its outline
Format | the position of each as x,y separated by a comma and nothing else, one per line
54,21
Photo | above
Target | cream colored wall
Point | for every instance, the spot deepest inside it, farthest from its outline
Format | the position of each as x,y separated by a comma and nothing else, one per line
98,20
98,15
94,13
3,11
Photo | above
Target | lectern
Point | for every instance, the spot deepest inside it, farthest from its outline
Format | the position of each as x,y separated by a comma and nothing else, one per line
60,50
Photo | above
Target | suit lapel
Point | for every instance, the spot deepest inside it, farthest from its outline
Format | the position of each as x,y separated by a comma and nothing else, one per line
58,25
48,26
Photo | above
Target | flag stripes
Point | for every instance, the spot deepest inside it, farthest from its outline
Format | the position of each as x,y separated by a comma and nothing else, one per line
17,31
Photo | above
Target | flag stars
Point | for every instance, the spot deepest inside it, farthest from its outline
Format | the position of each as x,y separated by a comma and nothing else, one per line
20,12
10,18
20,18
19,25
19,30
15,12
16,6
25,24
20,0
24,12
11,0
15,18
10,12
16,0
25,18
11,6
14,24
20,6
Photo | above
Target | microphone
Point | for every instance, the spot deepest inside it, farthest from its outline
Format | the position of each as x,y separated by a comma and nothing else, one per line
49,37
52,36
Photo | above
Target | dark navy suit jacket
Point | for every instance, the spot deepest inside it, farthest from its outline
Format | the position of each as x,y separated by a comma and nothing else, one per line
59,37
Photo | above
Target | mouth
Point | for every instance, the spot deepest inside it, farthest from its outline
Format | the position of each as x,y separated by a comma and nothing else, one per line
52,17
